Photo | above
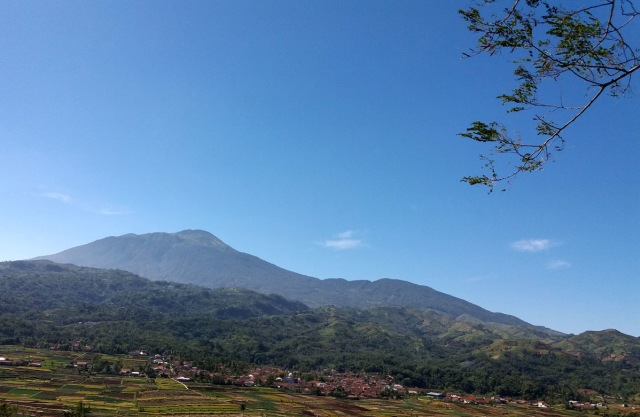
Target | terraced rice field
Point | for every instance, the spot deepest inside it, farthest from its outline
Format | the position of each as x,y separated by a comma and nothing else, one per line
49,390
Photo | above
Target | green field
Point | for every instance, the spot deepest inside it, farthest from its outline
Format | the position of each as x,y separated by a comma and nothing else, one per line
54,388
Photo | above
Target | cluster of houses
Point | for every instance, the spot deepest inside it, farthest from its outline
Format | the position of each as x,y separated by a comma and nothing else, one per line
472,399
345,384
73,345
182,371
577,405
18,362
327,382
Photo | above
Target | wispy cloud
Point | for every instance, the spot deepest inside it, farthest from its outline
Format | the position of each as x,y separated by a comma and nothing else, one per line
64,198
558,264
67,199
111,212
532,245
343,241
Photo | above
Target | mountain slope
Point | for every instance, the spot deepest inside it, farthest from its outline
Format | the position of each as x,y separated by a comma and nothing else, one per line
49,305
190,256
55,287
606,345
198,257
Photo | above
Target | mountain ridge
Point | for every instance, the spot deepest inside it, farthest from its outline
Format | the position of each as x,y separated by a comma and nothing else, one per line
62,306
198,257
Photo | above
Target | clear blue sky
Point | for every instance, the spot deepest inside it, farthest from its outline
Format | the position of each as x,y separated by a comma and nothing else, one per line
317,135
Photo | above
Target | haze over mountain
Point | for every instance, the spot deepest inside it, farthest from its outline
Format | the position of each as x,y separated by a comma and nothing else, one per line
198,257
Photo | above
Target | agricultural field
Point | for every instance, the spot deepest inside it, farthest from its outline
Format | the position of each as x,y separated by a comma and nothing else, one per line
53,387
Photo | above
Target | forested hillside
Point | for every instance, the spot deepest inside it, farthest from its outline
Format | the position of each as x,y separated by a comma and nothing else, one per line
43,304
198,257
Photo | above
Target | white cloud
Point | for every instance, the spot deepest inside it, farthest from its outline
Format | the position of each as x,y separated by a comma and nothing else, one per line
110,212
346,234
64,198
558,264
343,241
531,245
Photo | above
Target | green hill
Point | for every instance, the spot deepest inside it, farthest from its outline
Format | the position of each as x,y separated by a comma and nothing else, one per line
48,305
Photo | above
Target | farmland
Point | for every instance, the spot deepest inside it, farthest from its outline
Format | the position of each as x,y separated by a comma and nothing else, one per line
48,386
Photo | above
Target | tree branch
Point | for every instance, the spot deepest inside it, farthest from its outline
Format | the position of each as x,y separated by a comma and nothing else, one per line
550,45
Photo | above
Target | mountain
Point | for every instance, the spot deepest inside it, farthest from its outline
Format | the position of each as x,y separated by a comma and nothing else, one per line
198,257
62,306
606,345
51,287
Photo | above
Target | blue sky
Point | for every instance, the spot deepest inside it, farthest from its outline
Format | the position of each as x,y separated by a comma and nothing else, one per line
318,135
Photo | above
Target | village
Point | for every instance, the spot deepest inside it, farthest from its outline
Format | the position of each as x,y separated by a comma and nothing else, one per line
51,382
327,382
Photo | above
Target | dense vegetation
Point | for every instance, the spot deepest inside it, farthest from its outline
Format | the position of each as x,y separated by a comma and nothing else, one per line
198,257
43,304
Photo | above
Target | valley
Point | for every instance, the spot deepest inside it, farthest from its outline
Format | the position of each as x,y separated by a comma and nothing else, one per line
231,316
60,307
51,382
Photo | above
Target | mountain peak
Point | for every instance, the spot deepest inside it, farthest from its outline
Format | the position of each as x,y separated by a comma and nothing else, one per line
201,238
198,257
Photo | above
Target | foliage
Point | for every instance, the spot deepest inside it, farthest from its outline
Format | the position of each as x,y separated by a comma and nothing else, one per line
7,410
87,289
587,46
47,305
198,257
81,410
